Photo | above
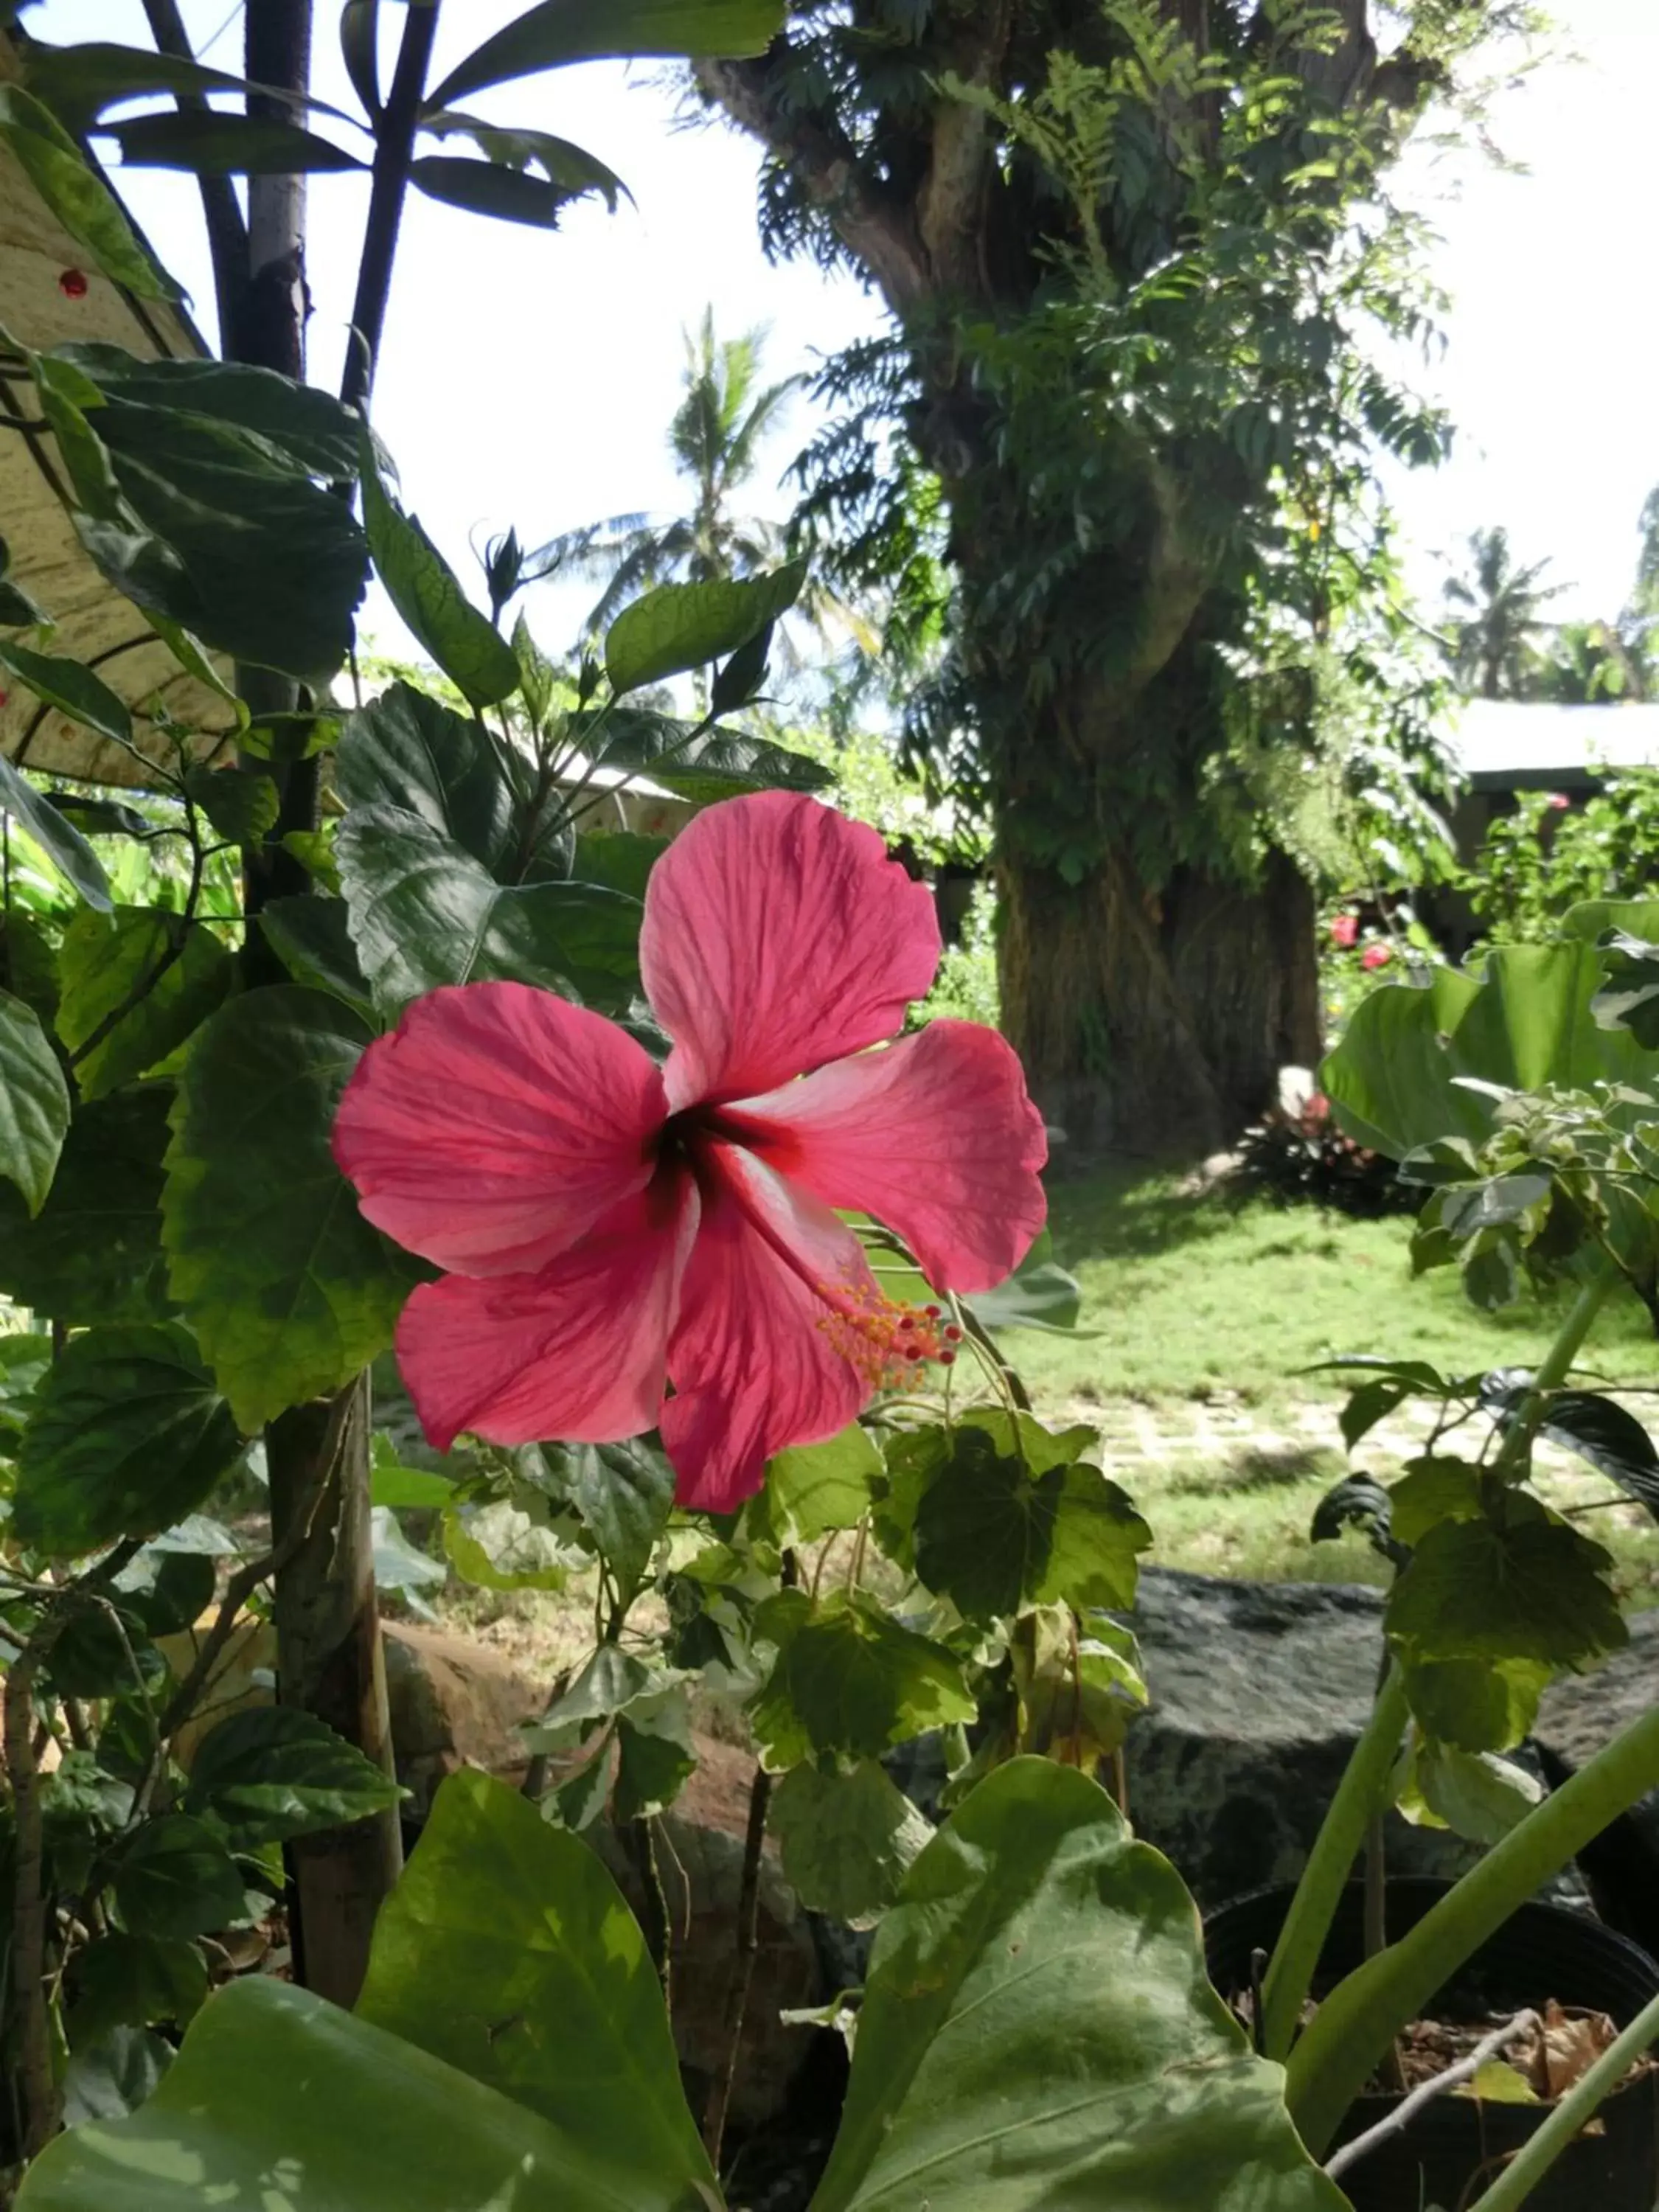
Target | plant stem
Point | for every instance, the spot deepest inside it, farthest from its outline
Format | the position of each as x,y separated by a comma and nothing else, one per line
37,2092
1437,2085
737,2003
1556,1365
1529,2166
1362,2015
1308,1923
394,150
226,233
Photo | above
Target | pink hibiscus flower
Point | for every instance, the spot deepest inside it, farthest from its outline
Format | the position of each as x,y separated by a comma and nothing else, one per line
1345,932
610,1227
1376,955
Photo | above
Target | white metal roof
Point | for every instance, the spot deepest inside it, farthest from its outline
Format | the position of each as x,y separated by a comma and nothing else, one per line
1510,743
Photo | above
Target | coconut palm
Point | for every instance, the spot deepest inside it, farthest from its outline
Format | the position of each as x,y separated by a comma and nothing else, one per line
1490,637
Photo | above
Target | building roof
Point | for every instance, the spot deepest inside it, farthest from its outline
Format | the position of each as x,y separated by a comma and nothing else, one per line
1523,745
91,617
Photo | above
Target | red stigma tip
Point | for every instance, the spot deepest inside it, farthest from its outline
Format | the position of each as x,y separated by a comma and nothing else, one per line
953,1335
947,1359
932,1312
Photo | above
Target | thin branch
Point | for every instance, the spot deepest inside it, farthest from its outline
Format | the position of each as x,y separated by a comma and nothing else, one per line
1425,2093
737,2003
222,212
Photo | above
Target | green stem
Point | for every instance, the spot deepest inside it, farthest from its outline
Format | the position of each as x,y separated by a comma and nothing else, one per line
1556,1365
1362,2015
1302,1938
1529,2166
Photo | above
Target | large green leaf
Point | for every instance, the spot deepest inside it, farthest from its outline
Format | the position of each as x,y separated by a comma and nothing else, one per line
1519,1584
702,767
297,424
406,751
75,194
34,1103
154,975
423,587
846,1840
624,1493
851,1680
813,1488
210,142
175,1878
507,1951
682,626
129,1436
57,836
71,687
279,2098
272,1773
1038,2032
311,936
563,31
1394,1080
93,1252
289,1290
491,188
425,912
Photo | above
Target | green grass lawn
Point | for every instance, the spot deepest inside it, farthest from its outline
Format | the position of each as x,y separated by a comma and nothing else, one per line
1205,1312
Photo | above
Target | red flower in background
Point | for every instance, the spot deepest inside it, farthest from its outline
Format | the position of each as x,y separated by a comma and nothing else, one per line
72,283
1376,955
1345,932
609,1227
1558,802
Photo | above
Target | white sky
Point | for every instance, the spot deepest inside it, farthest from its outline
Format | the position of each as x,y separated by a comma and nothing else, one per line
528,377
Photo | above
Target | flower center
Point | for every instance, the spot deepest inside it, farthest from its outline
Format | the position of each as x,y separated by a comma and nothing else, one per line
886,1340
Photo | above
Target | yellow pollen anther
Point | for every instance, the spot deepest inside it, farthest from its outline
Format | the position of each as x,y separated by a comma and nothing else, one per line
886,1340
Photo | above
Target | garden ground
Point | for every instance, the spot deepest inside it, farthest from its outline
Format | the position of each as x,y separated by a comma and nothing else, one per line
1206,1313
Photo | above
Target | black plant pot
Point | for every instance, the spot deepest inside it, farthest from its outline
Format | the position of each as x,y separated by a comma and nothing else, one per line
1457,2145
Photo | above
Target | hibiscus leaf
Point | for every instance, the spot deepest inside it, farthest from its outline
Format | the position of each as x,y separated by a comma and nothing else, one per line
312,938
813,1488
93,1251
425,913
75,194
624,1493
683,626
273,1773
851,1680
129,1436
716,764
1526,1587
424,589
846,1840
655,1756
156,975
500,1546
1610,1437
34,1103
175,1879
407,750
289,1290
73,690
57,836
1039,1295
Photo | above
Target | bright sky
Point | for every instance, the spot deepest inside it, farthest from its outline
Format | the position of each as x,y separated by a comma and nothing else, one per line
528,377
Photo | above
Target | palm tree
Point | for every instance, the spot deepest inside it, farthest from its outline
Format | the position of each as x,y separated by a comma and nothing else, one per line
1490,645
715,438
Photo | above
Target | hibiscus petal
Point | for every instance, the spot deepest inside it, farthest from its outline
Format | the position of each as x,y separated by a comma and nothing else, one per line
778,935
754,1357
577,1350
935,1136
496,1125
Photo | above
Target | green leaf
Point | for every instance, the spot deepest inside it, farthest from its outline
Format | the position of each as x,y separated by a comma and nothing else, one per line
393,1484
1475,1706
312,938
994,1532
682,626
289,1292
71,687
1476,1794
624,1493
491,188
701,767
176,972
129,1436
130,1981
813,1488
272,1773
656,1756
34,1104
850,1681
401,1566
506,1952
1039,1294
79,198
1529,1589
991,2069
422,587
846,1840
17,609
405,750
78,82
1609,1438
296,426
360,49
1397,1079
273,2083
175,1878
572,167
241,803
1430,1491
210,142
500,1546
1629,997
612,1680
93,1252
425,913
58,838
559,32
619,858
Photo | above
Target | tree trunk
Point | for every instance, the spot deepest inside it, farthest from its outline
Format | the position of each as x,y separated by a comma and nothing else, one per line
1156,1025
